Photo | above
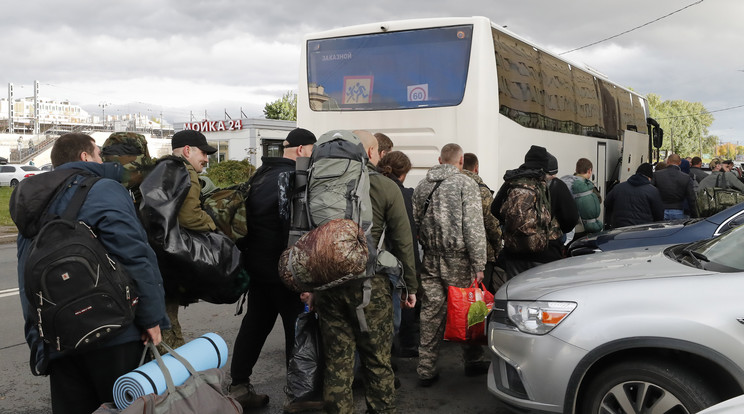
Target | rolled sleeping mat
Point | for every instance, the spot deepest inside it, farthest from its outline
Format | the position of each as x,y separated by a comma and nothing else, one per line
205,352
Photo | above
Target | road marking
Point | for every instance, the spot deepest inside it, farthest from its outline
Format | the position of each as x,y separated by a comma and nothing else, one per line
8,292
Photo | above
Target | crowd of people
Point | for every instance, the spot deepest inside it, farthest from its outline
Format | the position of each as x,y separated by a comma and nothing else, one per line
450,230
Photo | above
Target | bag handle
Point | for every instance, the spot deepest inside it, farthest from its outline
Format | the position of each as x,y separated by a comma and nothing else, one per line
166,373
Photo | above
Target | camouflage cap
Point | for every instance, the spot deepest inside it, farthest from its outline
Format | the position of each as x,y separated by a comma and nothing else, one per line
125,143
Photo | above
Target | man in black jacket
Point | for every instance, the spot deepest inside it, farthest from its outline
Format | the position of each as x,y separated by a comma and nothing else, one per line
562,209
635,201
676,189
268,229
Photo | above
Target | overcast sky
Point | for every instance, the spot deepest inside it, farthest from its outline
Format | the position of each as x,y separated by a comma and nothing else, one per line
190,56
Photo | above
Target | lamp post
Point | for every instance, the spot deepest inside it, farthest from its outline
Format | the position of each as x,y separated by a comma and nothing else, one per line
103,106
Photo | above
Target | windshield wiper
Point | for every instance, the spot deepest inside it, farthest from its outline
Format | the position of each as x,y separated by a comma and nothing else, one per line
697,257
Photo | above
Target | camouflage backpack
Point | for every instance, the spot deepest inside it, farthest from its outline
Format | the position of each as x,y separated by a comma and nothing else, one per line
130,150
526,213
227,208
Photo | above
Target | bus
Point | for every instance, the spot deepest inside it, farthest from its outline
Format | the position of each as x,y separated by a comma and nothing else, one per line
429,82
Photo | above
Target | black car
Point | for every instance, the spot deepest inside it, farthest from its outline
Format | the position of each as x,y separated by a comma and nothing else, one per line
663,232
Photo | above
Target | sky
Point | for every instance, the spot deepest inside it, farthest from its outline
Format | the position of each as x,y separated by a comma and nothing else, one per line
187,57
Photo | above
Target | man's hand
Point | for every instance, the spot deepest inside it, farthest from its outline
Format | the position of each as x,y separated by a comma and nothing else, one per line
410,302
307,298
479,277
153,334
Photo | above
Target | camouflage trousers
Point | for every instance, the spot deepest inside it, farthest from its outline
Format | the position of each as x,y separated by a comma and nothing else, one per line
440,273
173,337
341,335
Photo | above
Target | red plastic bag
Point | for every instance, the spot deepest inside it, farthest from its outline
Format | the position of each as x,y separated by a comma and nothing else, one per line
459,302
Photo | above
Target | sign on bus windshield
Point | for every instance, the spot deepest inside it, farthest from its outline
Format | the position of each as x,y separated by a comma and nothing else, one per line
394,70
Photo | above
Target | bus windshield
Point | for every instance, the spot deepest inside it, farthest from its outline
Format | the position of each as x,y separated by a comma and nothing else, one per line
396,70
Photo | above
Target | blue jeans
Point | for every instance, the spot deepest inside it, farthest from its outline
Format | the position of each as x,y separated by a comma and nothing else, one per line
674,214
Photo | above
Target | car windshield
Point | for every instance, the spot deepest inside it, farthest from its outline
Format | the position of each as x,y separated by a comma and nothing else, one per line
722,253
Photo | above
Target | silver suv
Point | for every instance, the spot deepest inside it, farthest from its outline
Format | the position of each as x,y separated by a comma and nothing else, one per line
648,330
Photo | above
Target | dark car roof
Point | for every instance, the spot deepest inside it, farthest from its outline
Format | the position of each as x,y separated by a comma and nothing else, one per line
667,232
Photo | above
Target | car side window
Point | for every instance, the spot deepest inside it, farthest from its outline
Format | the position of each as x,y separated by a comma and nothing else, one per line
7,168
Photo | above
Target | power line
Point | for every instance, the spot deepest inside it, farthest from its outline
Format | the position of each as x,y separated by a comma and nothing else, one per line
702,113
633,29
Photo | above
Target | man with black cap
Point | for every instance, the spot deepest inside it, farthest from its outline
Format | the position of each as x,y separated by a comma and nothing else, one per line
562,216
192,148
635,201
268,226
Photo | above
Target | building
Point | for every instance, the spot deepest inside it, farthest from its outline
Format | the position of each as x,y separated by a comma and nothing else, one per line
239,139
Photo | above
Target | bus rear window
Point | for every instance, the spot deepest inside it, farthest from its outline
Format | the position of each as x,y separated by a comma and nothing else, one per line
395,70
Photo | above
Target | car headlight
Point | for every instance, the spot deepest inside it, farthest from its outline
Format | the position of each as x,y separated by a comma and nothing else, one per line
538,317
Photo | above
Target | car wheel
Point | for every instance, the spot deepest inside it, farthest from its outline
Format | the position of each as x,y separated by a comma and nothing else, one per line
646,387
13,182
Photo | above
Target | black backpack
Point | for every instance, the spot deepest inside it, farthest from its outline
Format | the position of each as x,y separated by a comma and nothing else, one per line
78,295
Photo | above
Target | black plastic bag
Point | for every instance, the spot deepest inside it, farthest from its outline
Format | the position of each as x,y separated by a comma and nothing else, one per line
195,265
305,371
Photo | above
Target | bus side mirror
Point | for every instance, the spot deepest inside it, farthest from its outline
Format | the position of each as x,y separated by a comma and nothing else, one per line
658,137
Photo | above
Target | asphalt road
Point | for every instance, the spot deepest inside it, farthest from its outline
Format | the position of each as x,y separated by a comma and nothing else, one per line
22,393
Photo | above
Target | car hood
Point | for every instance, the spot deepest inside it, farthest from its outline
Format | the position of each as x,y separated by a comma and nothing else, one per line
658,229
619,265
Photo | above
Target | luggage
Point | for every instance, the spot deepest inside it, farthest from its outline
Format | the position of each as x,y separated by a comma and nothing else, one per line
305,370
712,200
194,265
200,393
337,208
466,313
79,296
526,213
227,208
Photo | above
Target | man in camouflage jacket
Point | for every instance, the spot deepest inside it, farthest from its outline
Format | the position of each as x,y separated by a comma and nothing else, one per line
454,240
493,277
339,325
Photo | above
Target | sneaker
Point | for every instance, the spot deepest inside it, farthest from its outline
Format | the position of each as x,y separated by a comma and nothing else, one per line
475,369
302,406
247,397
428,382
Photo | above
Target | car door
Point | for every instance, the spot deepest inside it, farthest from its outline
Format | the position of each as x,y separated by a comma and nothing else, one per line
6,174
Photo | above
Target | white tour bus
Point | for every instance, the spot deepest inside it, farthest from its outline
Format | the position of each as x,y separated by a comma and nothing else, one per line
429,82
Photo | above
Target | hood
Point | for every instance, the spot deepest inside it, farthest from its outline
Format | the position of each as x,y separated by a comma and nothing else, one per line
441,172
637,180
523,172
30,199
621,265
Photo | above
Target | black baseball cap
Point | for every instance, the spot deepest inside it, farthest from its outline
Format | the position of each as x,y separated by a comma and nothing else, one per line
299,136
193,139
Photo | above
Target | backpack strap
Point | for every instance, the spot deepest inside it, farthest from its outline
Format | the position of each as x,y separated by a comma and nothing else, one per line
78,198
428,198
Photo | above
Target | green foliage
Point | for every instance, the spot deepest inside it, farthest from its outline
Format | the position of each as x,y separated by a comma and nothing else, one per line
284,108
230,172
685,126
5,219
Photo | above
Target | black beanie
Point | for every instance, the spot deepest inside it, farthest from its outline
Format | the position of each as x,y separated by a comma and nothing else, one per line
536,158
646,169
552,164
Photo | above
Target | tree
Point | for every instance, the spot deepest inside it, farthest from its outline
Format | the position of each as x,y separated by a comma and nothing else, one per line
284,108
230,172
685,126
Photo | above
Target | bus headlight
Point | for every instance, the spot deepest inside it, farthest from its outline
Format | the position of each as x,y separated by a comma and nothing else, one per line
538,317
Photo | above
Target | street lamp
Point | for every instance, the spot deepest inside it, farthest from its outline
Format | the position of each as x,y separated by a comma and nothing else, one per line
103,106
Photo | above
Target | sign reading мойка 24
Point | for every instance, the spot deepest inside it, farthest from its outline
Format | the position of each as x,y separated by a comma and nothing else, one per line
215,126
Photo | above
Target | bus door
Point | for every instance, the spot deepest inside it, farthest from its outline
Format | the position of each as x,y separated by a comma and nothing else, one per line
600,171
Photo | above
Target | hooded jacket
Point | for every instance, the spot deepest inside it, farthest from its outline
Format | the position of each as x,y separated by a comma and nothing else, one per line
109,210
634,201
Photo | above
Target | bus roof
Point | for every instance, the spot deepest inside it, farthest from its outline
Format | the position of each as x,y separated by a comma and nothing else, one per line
413,24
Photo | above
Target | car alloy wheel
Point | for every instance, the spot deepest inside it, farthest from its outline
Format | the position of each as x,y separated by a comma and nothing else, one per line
646,387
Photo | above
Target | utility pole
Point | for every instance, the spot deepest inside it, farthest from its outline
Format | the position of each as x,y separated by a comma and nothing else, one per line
103,106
